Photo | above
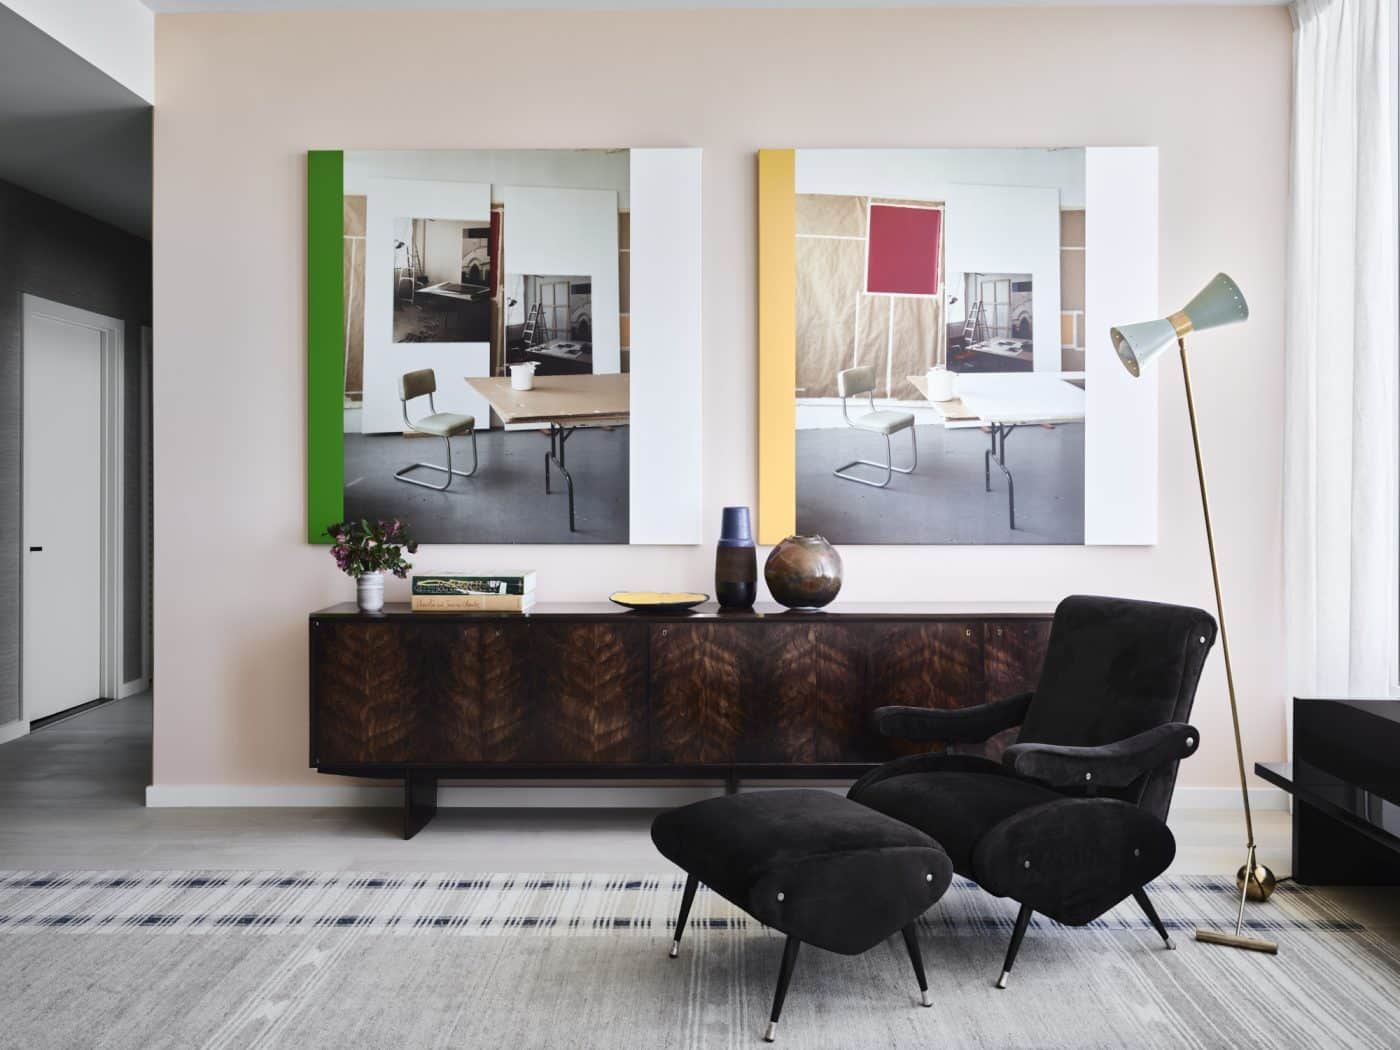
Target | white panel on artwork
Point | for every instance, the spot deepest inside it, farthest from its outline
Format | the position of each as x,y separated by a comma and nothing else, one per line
388,200
926,174
1011,229
666,425
567,231
1120,436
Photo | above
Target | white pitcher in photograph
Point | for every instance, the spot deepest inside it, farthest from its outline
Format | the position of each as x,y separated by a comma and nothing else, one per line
522,377
942,384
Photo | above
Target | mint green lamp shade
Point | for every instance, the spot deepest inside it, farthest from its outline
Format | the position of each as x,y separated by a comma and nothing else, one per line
1219,303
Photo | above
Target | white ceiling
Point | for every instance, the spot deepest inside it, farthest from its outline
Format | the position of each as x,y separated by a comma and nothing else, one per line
187,6
71,133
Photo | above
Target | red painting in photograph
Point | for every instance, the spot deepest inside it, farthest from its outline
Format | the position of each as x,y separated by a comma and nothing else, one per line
903,250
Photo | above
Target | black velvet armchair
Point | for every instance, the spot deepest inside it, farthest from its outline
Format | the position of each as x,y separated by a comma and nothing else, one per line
1073,819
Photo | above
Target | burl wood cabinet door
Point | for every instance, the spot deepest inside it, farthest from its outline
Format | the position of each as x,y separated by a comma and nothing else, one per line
420,693
757,693
932,664
698,691
590,695
808,704
360,689
1013,652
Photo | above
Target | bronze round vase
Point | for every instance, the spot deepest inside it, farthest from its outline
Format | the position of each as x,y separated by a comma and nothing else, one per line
803,572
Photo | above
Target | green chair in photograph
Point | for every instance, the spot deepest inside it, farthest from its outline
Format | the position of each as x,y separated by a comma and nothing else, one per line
852,382
446,425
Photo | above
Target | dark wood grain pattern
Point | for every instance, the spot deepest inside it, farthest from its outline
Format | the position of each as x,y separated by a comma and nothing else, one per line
605,691
810,704
507,722
697,692
936,664
590,695
1012,654
363,687
1014,651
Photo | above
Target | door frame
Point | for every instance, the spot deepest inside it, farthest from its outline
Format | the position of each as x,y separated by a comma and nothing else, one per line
143,681
113,360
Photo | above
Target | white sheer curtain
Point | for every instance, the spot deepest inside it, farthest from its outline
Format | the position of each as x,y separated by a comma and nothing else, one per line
1342,439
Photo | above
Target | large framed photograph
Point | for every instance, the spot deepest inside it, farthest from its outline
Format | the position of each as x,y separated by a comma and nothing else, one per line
935,366
504,345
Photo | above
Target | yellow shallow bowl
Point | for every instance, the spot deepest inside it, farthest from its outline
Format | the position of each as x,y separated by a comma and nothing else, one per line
658,599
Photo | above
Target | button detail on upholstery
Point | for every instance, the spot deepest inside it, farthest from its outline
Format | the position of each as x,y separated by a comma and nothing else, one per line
928,878
1028,864
780,896
1088,776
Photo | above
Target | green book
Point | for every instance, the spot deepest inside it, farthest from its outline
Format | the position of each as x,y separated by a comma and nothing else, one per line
517,582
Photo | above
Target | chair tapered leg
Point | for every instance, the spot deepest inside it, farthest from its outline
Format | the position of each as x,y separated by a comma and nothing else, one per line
1146,905
1023,919
911,941
784,977
687,899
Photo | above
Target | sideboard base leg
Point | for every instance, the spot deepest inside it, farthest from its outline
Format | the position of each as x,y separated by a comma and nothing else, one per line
419,802
731,783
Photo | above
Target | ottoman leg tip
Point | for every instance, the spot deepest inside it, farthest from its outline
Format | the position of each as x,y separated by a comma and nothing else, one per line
675,949
771,1032
925,999
1171,944
1001,981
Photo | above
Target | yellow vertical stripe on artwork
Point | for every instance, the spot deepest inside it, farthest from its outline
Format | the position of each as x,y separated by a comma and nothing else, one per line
777,344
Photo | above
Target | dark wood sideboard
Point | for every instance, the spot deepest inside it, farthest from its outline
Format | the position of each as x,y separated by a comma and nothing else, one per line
595,691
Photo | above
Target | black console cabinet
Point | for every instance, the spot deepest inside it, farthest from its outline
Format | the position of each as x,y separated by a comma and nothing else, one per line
1345,782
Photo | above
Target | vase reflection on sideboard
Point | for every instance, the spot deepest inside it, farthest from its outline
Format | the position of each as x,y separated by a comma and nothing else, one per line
736,561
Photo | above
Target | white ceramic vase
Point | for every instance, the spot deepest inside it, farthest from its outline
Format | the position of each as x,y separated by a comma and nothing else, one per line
942,384
369,591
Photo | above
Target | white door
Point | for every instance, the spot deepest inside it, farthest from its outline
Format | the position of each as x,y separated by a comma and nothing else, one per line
62,511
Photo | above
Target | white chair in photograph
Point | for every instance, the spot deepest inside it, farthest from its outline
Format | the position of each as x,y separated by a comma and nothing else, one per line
852,382
445,425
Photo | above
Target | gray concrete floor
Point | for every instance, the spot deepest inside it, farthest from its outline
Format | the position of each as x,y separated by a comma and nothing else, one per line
505,501
945,499
72,797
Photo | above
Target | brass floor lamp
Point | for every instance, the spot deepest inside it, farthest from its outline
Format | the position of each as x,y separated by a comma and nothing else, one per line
1138,345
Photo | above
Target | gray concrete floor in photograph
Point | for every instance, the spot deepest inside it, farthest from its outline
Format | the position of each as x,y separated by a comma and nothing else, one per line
945,499
505,501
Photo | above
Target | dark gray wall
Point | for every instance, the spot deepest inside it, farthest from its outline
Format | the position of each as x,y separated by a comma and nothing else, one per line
59,254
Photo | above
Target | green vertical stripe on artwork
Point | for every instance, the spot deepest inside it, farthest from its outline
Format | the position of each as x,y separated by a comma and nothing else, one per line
325,342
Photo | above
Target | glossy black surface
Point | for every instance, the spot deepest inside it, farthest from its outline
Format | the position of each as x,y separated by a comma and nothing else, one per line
1345,779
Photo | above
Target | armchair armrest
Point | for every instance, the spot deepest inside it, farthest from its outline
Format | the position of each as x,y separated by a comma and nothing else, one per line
1113,765
965,725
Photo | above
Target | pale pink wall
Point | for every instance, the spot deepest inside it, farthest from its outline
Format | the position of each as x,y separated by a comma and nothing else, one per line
240,98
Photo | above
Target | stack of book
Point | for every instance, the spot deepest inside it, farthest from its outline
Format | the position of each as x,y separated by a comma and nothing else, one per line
474,592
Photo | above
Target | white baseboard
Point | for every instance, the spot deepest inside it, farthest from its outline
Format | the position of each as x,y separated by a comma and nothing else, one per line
13,730
131,688
573,796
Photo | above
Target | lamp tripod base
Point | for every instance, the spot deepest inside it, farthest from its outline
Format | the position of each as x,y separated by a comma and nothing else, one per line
1230,940
1258,886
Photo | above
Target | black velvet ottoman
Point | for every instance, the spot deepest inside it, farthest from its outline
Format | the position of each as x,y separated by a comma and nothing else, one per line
811,864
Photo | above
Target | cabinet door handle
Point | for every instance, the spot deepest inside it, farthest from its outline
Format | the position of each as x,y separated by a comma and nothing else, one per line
967,631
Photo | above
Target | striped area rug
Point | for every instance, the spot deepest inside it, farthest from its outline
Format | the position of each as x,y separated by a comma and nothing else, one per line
304,959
